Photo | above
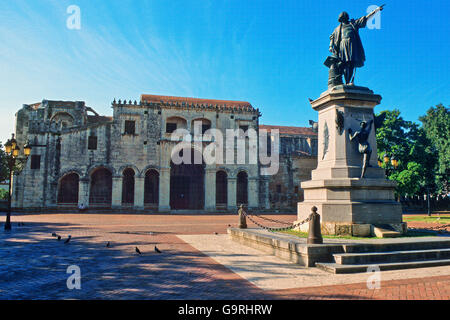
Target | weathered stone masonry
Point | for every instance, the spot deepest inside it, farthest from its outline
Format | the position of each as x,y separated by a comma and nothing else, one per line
124,161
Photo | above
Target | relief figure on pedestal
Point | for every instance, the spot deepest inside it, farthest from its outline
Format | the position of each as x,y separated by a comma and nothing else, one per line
362,137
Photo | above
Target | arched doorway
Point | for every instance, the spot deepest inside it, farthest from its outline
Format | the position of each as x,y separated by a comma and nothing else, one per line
128,187
101,188
68,189
151,188
221,189
187,185
242,188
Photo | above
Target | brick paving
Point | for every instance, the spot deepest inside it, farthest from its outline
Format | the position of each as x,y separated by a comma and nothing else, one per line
33,264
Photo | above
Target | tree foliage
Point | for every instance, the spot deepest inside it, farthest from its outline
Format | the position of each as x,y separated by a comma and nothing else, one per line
436,124
3,165
416,153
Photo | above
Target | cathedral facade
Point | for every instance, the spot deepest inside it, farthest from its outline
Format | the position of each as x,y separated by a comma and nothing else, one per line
81,158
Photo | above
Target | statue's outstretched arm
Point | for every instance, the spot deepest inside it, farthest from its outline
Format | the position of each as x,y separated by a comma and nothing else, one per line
380,8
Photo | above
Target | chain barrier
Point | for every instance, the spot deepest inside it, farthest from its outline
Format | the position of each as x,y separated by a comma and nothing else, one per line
271,220
444,226
292,226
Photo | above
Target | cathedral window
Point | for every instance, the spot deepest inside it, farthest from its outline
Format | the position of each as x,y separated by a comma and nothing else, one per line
171,127
92,143
35,162
130,127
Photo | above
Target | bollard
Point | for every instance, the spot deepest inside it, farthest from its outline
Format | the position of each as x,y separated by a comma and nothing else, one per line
242,218
315,234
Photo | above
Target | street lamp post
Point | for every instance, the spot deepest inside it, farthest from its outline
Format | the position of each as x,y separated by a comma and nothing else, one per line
391,163
12,151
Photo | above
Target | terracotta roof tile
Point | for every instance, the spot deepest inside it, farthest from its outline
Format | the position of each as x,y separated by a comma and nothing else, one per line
290,130
214,102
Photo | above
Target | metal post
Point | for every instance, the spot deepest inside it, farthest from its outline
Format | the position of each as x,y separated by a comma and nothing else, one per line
315,232
8,212
428,201
242,218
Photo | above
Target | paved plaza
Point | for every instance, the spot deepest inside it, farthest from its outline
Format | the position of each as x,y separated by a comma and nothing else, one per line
198,261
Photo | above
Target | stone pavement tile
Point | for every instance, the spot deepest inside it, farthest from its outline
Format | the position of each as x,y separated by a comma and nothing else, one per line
271,273
439,287
33,263
35,267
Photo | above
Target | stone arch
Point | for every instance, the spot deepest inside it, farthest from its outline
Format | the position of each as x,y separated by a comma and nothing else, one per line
100,191
235,172
94,167
181,122
226,170
128,179
206,124
137,172
150,167
242,188
68,187
68,171
62,117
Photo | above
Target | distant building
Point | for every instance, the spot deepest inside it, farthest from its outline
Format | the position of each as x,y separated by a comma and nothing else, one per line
124,161
298,157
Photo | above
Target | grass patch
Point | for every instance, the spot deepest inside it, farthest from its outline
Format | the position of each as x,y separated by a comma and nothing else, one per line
325,236
409,234
426,219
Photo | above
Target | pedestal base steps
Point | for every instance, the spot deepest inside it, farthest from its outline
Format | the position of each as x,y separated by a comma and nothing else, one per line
349,256
392,230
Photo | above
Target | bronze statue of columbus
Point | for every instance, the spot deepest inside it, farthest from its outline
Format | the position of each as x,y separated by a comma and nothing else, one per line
347,49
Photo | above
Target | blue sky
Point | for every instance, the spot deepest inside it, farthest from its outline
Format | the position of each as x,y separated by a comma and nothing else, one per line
269,53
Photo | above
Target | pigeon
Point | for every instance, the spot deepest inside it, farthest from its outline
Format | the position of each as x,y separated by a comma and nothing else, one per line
59,238
68,239
157,250
54,234
108,244
138,251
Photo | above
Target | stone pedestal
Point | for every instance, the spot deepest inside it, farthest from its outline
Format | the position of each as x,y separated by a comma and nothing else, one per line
347,203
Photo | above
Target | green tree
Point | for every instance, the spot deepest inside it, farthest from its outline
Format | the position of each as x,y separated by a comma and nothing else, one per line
3,194
3,165
436,124
416,154
408,180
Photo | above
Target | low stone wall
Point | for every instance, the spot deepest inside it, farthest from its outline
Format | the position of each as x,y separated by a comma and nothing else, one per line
285,247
